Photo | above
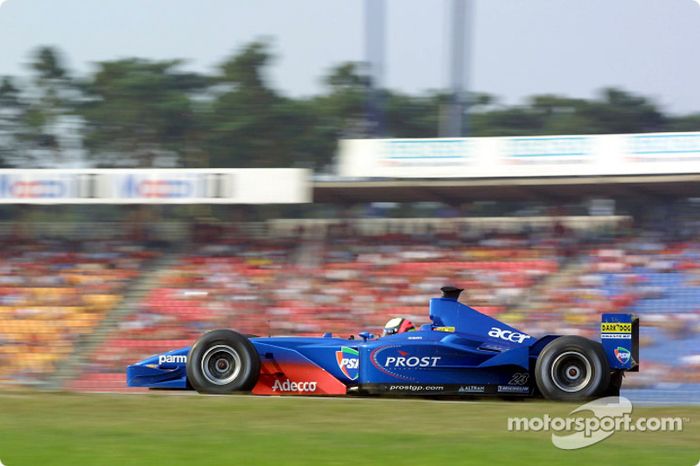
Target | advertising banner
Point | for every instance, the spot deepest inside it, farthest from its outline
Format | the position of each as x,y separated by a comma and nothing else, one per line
499,157
41,186
156,186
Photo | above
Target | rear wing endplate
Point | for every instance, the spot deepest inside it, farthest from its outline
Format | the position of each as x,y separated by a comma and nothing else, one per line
619,334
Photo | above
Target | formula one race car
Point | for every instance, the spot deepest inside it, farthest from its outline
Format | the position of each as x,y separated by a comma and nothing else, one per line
462,352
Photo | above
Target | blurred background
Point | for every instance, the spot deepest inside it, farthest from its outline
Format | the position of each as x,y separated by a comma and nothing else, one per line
532,154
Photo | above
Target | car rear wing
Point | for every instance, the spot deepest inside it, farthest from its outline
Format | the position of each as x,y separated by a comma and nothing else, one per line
619,334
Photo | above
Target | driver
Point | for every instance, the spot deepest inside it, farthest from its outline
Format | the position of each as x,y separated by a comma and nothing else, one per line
398,325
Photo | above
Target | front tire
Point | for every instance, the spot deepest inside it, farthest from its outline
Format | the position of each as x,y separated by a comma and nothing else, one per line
572,368
222,362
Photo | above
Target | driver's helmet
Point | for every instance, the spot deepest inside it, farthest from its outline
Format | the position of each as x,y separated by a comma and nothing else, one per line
398,325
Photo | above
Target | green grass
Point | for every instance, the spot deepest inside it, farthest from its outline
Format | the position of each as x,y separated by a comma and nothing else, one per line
157,429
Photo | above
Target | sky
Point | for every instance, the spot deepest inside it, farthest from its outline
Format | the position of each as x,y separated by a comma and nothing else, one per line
517,48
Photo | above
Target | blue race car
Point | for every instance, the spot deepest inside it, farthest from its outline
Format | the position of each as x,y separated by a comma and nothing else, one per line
461,353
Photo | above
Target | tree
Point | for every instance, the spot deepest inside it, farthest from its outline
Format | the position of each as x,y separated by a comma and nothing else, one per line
615,111
49,129
12,111
618,111
140,113
345,104
251,125
412,117
143,113
684,123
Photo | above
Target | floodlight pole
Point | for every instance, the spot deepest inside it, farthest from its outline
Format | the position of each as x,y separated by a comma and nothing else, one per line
457,123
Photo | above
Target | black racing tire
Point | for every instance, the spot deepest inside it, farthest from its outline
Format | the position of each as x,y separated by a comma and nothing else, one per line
222,362
572,368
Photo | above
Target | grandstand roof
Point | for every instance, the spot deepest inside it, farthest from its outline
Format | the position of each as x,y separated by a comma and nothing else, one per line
550,188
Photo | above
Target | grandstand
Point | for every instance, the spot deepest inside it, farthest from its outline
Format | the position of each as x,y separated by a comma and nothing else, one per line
344,282
53,293
311,276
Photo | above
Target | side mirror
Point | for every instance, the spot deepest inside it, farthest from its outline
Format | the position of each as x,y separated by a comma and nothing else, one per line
367,336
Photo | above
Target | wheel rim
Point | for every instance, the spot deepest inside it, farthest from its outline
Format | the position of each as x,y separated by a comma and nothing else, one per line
221,364
571,371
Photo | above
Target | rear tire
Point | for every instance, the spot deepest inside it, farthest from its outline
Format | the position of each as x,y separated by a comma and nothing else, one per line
222,362
572,368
